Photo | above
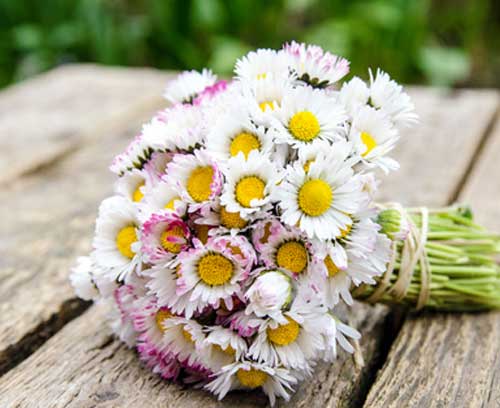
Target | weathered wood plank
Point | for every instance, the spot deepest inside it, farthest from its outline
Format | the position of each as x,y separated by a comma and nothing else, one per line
450,360
333,385
47,117
49,217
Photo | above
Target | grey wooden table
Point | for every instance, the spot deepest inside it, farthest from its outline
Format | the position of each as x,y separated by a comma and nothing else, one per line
58,134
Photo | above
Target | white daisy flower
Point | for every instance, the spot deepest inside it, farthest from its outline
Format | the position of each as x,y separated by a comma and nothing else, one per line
137,153
262,64
209,274
226,221
374,136
159,198
314,66
388,96
116,242
81,279
132,185
318,201
163,236
148,319
269,294
294,340
222,347
275,382
249,183
308,115
263,98
178,128
184,338
354,94
196,177
289,250
188,85
233,133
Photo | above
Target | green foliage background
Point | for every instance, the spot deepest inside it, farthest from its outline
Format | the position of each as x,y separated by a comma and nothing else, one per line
438,42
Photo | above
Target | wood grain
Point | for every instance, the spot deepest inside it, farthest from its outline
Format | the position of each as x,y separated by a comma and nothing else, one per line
450,360
75,350
50,214
47,117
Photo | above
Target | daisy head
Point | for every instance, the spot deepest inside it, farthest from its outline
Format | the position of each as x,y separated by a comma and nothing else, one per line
250,183
160,198
177,128
262,64
308,115
226,221
196,177
314,66
132,185
264,97
163,236
289,250
188,85
319,201
275,382
270,292
210,273
388,96
222,346
295,338
116,242
184,338
137,153
82,280
234,132
374,136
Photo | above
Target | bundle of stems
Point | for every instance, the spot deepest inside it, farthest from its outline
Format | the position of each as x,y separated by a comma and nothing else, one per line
458,258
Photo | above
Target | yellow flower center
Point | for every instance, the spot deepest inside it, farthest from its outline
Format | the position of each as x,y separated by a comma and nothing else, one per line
284,334
162,315
171,204
137,194
124,240
292,255
202,232
262,76
187,335
198,184
265,105
248,189
331,267
244,142
369,142
315,197
252,378
304,126
174,232
215,269
228,350
231,219
345,232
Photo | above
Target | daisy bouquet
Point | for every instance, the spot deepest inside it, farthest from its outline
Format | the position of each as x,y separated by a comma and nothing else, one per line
244,213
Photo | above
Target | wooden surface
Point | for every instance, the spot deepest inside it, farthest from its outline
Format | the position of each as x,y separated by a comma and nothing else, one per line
56,353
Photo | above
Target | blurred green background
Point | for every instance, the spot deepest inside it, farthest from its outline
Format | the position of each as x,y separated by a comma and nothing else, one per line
437,42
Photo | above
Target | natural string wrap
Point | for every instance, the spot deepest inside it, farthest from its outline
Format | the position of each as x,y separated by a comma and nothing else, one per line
413,252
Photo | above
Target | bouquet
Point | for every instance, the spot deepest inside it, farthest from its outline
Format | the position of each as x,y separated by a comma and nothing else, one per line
244,213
